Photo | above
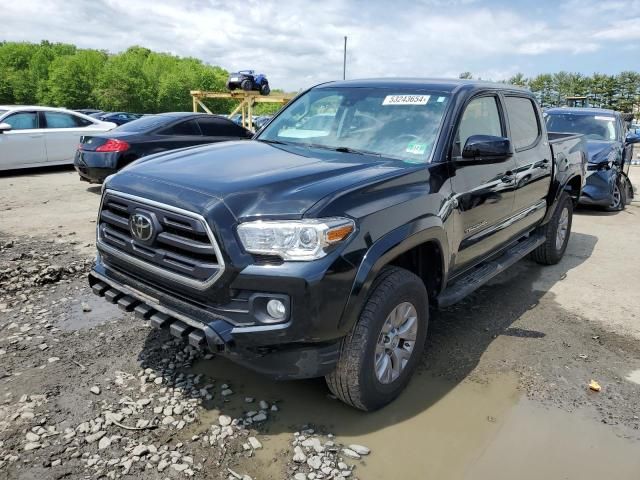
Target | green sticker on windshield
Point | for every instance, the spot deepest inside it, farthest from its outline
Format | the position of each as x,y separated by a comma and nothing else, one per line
416,148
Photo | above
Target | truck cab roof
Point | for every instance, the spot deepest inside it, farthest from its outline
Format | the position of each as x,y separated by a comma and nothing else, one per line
440,84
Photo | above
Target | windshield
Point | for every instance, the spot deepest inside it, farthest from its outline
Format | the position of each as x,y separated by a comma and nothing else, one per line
394,123
593,127
144,124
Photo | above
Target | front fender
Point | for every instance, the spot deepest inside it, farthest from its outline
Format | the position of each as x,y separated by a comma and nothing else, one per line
383,252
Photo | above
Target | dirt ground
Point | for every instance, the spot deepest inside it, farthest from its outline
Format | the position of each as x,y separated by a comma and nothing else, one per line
87,391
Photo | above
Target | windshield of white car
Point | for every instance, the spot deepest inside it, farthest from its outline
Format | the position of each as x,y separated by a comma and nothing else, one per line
394,123
593,127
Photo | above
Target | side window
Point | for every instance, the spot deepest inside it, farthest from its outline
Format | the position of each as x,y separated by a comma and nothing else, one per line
481,117
190,127
523,120
215,127
64,120
22,121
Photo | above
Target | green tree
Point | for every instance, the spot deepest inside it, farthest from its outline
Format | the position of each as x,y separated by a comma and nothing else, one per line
72,79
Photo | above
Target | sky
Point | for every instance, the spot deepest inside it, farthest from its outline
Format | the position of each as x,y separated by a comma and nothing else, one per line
300,43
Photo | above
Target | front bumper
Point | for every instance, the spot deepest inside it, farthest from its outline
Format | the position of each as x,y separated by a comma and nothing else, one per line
287,350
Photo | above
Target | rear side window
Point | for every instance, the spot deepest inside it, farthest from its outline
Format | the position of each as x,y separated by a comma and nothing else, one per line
64,120
190,127
481,117
22,121
218,127
523,121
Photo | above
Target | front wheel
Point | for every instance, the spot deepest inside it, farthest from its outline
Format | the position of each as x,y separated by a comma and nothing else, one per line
619,195
380,354
246,85
556,232
264,89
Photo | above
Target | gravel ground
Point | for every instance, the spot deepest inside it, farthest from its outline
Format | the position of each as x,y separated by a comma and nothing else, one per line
87,391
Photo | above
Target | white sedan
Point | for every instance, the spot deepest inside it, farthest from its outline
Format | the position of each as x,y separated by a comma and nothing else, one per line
40,136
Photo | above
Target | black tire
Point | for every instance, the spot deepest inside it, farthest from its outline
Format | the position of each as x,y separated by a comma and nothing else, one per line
246,85
265,89
354,381
550,253
630,193
619,200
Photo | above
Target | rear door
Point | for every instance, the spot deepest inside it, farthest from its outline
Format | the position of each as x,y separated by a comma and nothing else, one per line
484,191
533,160
23,145
62,135
185,133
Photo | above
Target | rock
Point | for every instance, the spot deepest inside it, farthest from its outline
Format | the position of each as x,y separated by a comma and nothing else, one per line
139,450
313,442
249,399
86,307
261,417
43,346
360,449
314,462
347,452
168,420
226,392
94,437
56,463
95,390
224,420
263,405
32,437
298,455
255,443
53,359
104,442
31,446
300,476
157,380
179,467
163,464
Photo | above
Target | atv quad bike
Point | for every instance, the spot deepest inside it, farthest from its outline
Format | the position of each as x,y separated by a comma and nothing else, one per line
248,80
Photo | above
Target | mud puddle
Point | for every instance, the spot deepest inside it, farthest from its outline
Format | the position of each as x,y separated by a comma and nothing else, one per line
436,429
100,312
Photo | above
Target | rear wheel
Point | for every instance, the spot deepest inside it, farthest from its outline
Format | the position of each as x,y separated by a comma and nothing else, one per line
264,89
246,85
380,354
556,232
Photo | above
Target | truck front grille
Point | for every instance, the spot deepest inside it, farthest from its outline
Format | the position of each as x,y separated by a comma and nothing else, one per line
164,240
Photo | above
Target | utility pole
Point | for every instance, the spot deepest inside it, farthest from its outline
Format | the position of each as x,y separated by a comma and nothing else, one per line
344,60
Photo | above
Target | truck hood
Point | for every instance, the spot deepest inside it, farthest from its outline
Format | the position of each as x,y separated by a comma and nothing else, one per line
252,178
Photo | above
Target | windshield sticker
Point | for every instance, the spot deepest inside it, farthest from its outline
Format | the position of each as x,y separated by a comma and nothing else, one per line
606,119
441,99
406,99
416,148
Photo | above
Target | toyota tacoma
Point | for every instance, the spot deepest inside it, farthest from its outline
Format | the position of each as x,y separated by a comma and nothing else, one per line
317,248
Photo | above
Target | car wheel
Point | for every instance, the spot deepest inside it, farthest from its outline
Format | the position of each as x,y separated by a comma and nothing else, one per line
264,89
556,232
246,84
618,196
380,354
629,193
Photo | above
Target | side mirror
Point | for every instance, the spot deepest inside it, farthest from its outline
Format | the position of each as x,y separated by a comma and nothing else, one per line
4,127
630,139
487,148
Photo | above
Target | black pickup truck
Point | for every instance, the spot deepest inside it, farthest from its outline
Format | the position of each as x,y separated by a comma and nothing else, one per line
317,248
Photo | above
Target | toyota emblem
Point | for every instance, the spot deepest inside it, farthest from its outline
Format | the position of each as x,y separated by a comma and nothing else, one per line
141,227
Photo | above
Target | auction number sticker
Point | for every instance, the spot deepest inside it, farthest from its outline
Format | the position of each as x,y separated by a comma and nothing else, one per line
406,99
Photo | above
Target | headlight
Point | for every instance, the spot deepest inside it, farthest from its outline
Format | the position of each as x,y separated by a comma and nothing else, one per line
296,239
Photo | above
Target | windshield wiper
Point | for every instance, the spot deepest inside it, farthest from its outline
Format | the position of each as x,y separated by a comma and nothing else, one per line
345,149
277,142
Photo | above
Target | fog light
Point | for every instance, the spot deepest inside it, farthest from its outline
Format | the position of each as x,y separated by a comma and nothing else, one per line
276,309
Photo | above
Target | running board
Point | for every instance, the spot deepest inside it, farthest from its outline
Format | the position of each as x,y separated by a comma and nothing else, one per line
481,274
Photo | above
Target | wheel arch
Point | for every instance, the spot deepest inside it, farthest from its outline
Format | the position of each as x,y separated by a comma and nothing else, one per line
420,247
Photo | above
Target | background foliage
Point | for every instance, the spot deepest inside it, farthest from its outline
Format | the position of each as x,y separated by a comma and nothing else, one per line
619,92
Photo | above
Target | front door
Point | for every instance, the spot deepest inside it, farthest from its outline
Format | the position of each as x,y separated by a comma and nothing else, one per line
23,145
484,192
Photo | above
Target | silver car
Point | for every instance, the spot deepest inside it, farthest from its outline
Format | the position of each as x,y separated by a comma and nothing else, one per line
40,136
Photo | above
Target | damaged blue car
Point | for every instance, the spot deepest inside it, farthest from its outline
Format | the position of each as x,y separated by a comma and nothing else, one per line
610,150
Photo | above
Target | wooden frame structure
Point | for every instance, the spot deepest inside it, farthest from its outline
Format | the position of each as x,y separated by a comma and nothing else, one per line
247,102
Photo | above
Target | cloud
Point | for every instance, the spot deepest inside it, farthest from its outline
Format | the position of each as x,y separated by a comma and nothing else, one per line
300,43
